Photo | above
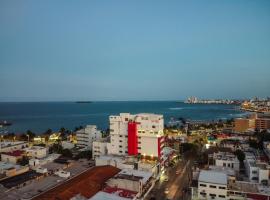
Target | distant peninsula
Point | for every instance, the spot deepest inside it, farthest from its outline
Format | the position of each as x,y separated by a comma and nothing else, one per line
83,102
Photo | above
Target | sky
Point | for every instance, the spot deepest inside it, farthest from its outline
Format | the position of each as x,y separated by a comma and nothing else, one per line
133,50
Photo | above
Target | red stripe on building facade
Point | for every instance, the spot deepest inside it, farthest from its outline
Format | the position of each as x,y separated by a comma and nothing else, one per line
132,138
159,146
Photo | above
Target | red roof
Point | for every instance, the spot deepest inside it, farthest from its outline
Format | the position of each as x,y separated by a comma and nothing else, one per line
16,153
87,184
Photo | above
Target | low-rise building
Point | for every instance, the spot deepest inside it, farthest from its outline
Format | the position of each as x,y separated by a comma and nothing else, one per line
9,169
12,146
12,157
36,152
225,159
100,147
212,185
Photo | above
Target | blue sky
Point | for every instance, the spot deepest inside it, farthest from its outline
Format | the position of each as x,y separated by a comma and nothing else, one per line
133,50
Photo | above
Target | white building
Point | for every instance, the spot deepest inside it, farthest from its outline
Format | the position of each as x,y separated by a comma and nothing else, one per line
212,185
100,147
36,152
12,146
224,159
140,134
86,136
12,157
256,171
129,163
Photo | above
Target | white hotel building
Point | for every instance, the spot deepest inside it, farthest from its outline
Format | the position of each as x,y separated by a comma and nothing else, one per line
140,134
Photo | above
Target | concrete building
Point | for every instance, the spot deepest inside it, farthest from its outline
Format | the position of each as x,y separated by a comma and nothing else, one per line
244,124
132,180
140,134
122,162
262,124
12,146
225,159
257,172
12,157
100,147
36,152
212,185
9,169
86,136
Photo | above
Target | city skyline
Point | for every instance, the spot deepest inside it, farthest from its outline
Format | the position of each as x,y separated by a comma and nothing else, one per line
68,51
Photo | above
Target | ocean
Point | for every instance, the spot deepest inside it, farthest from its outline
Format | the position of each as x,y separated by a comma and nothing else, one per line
40,116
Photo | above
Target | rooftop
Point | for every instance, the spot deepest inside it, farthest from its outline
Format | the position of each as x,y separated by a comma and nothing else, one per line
213,177
87,184
135,175
16,153
107,196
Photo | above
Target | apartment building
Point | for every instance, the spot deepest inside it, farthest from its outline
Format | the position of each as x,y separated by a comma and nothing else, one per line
212,185
244,124
36,152
225,159
100,147
140,134
262,124
86,136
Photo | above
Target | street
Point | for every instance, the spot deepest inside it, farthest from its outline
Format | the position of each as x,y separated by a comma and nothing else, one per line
171,184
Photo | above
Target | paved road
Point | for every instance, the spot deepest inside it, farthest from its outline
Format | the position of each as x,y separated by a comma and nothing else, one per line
175,184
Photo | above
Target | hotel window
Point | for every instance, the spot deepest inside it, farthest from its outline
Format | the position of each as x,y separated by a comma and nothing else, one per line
120,146
222,188
120,141
213,186
202,185
213,195
221,196
120,136
138,147
120,151
203,193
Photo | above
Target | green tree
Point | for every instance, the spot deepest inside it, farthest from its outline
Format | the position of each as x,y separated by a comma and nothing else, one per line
30,134
84,154
67,153
240,155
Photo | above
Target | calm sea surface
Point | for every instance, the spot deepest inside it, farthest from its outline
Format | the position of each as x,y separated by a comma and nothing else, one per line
39,117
